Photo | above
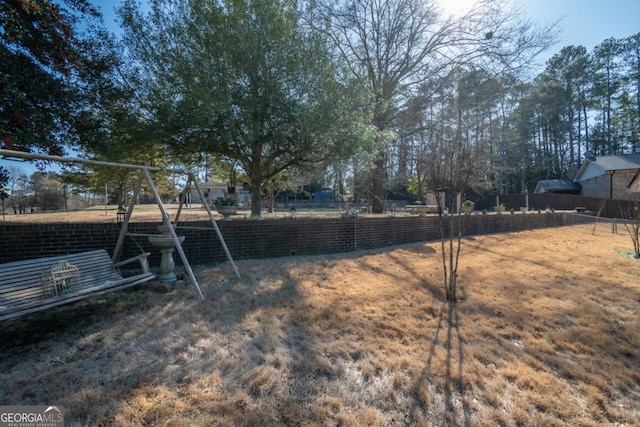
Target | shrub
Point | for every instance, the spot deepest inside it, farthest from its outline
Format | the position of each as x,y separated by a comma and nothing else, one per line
225,201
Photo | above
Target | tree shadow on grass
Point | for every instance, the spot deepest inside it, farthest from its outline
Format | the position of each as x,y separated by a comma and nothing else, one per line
260,351
48,324
265,351
450,383
256,340
445,378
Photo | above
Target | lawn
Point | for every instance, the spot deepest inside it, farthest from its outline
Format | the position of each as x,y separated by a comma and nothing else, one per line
151,213
549,334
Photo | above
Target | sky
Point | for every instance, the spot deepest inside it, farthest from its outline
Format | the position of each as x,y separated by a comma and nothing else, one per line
587,22
582,22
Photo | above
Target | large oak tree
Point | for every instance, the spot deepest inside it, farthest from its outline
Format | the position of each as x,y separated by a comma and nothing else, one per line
241,79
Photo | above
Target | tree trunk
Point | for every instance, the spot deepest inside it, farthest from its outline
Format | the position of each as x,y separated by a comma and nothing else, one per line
341,180
270,197
376,194
450,245
256,198
586,127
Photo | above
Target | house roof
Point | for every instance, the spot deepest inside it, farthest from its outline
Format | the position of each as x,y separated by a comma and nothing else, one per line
596,166
556,185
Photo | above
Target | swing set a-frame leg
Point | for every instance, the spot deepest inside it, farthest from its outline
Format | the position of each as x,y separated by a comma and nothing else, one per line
167,221
595,223
127,218
144,174
213,222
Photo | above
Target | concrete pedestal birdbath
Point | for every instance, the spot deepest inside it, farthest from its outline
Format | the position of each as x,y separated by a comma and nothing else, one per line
166,274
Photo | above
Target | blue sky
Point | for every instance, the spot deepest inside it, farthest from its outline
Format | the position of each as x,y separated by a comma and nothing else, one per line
583,22
587,22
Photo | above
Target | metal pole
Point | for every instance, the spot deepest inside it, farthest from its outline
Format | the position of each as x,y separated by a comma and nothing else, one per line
215,226
172,231
125,224
72,160
183,196
145,171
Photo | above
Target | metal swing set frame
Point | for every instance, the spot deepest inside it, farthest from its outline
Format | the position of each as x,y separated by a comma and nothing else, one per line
145,174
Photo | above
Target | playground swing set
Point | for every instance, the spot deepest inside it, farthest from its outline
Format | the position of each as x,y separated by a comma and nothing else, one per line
34,285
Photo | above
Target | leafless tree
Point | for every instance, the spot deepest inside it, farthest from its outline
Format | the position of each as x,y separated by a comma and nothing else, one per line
631,215
456,155
407,49
394,46
19,190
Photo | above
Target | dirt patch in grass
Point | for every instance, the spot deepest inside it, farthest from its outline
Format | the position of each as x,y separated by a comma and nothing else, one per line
548,335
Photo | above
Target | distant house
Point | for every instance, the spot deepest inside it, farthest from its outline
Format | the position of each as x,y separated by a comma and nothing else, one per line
210,190
610,177
558,186
213,190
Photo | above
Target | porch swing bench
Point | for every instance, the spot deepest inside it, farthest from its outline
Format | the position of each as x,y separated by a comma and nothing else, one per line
39,284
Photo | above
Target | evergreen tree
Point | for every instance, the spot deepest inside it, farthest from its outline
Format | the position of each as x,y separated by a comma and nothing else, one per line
45,65
241,79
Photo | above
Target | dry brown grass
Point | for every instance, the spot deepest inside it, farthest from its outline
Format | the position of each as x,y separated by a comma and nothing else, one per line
141,213
151,213
549,335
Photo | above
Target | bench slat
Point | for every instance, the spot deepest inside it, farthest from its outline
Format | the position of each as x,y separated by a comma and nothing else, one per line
21,282
96,291
24,278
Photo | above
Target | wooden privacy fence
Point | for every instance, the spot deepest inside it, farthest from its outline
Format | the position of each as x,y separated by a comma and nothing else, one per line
608,208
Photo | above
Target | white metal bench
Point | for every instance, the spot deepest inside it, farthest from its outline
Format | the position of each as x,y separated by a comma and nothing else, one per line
39,284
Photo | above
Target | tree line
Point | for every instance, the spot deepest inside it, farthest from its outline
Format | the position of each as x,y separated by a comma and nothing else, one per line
378,98
582,103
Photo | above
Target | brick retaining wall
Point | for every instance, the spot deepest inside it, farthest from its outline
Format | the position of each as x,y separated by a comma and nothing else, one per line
256,238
